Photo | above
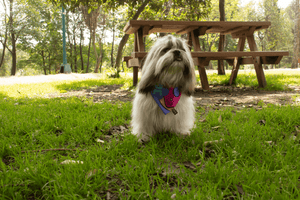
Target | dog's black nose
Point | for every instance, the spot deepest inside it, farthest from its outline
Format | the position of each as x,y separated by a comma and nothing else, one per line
177,55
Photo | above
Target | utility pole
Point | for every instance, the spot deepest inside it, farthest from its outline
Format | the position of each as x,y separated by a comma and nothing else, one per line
65,67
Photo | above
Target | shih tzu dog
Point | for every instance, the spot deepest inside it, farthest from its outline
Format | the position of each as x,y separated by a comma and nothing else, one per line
163,100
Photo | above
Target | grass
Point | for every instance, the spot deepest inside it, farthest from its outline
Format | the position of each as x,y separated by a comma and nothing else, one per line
256,156
275,80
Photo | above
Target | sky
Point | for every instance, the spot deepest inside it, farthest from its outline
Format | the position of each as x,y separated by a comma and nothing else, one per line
281,3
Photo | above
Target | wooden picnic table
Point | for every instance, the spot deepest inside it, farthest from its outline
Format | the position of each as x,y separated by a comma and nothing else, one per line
194,29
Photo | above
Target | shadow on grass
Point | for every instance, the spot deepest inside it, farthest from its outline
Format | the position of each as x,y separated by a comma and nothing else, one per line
85,84
275,82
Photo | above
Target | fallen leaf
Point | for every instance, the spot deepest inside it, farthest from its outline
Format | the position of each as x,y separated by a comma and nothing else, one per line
98,140
189,165
215,127
173,196
213,142
220,119
71,161
240,189
202,120
91,173
262,122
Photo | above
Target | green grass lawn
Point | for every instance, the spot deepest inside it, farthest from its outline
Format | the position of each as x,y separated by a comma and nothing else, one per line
256,156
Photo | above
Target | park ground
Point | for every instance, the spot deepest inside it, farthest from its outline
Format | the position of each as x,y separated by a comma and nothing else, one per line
67,136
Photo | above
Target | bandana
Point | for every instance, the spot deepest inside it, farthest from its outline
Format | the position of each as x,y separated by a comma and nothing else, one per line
165,98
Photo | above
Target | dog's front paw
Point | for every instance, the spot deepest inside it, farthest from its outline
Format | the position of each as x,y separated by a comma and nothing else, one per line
185,134
143,138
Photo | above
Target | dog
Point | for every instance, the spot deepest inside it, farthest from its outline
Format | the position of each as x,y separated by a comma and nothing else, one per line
163,100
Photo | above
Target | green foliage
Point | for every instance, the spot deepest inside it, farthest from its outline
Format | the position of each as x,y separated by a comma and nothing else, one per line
256,156
42,89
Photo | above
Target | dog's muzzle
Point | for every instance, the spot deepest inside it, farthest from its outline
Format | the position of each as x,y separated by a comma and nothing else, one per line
177,55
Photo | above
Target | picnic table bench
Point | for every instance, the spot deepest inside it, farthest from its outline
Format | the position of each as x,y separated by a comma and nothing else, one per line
194,29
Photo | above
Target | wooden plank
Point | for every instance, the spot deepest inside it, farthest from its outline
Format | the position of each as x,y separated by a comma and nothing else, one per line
126,58
278,60
195,39
132,29
257,63
178,25
244,33
187,29
235,29
233,54
138,54
205,62
202,73
155,29
146,30
189,40
140,41
135,75
236,61
135,44
221,69
134,62
271,55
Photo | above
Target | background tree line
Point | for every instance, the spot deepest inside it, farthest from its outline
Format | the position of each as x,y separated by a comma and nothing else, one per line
31,31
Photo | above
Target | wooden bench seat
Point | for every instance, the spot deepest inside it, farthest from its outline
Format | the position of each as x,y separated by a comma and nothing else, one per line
242,57
267,57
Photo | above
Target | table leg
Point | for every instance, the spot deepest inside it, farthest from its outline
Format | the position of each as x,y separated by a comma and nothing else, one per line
221,70
202,73
135,75
201,68
189,40
236,62
257,63
139,46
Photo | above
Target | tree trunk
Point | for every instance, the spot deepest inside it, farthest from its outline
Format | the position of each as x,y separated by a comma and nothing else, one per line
88,61
13,40
126,36
99,58
80,46
44,64
296,37
13,54
75,56
3,50
5,39
112,48
221,70
49,63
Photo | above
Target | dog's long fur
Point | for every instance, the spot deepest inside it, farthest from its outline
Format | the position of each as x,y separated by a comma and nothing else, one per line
169,63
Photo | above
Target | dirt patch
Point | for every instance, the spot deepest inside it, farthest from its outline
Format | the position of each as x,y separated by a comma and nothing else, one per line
247,96
216,96
104,92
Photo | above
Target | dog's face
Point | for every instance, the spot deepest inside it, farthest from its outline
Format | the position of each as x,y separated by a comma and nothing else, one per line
169,63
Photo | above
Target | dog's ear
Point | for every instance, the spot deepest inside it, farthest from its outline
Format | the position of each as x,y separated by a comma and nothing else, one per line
147,84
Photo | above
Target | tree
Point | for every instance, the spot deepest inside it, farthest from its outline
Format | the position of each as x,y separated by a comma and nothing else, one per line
221,70
91,21
4,36
43,42
23,20
296,35
182,9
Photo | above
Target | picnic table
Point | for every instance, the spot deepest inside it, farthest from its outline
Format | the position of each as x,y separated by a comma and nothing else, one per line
194,29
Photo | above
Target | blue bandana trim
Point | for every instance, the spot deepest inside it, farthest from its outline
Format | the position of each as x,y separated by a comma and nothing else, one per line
158,93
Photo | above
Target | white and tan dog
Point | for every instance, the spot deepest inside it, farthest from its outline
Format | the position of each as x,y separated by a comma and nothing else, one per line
168,64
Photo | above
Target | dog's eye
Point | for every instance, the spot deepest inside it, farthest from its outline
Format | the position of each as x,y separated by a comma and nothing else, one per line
165,50
183,49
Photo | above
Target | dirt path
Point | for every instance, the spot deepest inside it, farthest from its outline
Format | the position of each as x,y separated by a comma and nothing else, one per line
217,96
